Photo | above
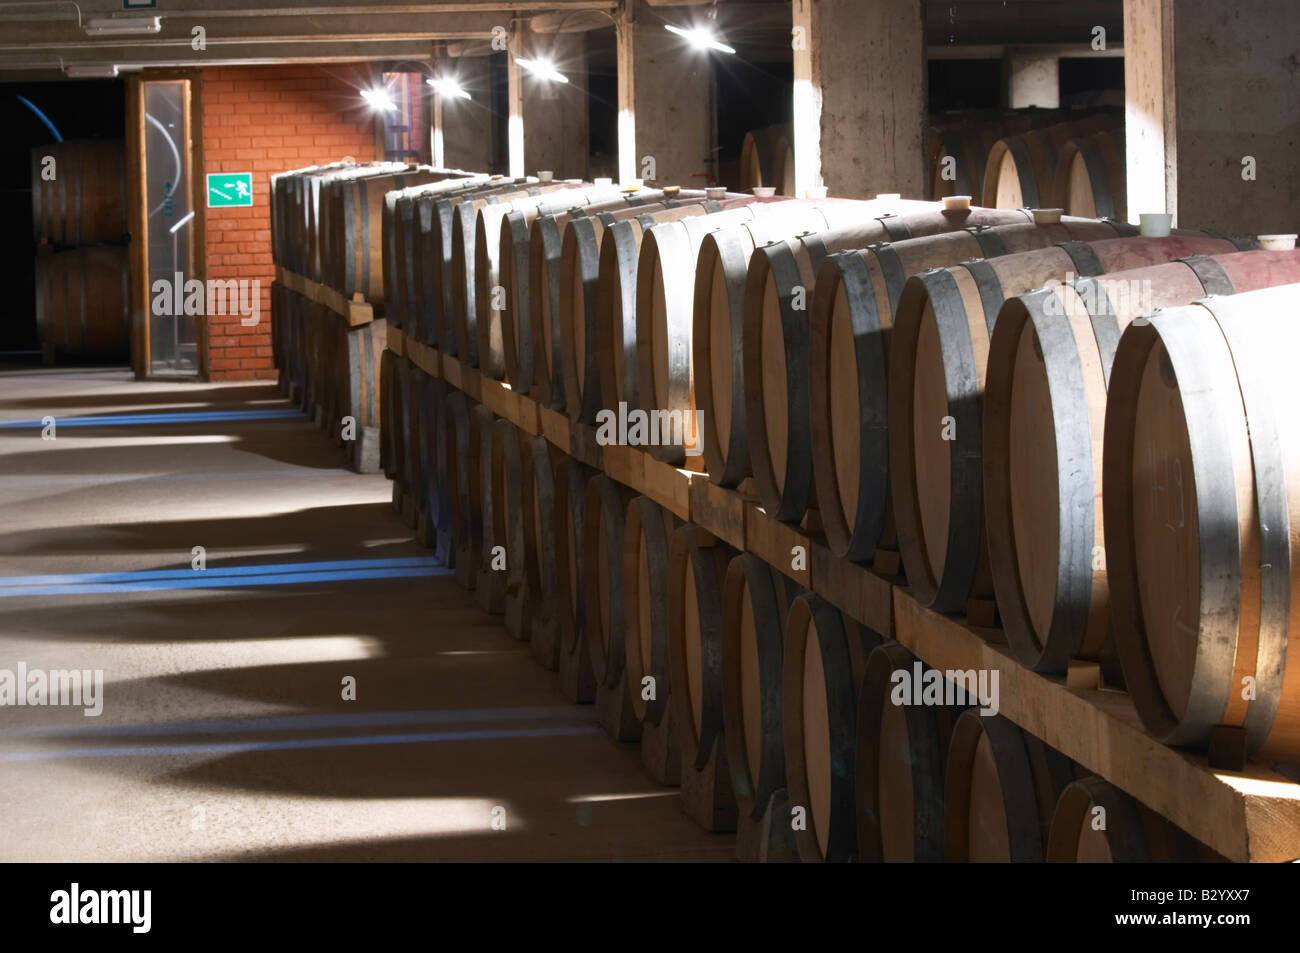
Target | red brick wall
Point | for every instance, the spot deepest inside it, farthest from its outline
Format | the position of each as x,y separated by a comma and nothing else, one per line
264,120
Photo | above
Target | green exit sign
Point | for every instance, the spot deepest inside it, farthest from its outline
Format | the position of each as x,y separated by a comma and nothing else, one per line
230,189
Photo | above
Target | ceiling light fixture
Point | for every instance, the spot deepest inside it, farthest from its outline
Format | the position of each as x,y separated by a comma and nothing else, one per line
123,26
700,37
449,87
379,99
91,71
542,69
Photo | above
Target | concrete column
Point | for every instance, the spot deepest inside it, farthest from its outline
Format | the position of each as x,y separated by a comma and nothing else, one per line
624,33
859,96
1033,79
556,113
670,99
515,106
1213,113
467,123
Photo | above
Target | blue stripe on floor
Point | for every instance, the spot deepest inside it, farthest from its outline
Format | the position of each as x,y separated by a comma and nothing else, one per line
191,417
244,747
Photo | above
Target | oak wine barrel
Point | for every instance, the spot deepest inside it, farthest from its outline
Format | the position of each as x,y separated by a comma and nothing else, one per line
938,358
1095,822
464,487
767,159
1001,786
571,482
1090,175
439,497
436,214
779,294
492,298
490,587
620,252
1043,430
541,459
508,527
587,274
697,570
901,756
517,276
409,258
603,543
1200,542
717,330
665,301
1021,171
79,192
464,261
354,228
648,530
83,308
825,656
755,602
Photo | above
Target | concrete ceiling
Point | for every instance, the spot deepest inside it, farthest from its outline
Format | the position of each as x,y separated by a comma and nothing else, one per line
39,40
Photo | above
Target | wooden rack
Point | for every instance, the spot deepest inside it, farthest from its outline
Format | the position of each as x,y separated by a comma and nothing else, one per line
1253,815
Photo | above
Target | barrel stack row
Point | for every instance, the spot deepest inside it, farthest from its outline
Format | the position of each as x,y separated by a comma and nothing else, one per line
1034,158
329,300
79,227
775,320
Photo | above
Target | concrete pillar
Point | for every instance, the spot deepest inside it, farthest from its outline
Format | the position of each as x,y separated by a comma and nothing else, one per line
467,123
859,96
556,113
1033,79
515,106
1213,113
665,99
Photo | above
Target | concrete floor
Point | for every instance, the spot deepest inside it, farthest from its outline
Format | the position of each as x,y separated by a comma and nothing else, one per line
224,735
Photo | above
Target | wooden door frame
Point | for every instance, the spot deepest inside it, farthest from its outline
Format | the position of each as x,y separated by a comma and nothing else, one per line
137,210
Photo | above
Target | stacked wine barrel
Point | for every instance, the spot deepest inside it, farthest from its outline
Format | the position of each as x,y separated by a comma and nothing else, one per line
827,345
79,226
1077,166
332,226
767,159
959,148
